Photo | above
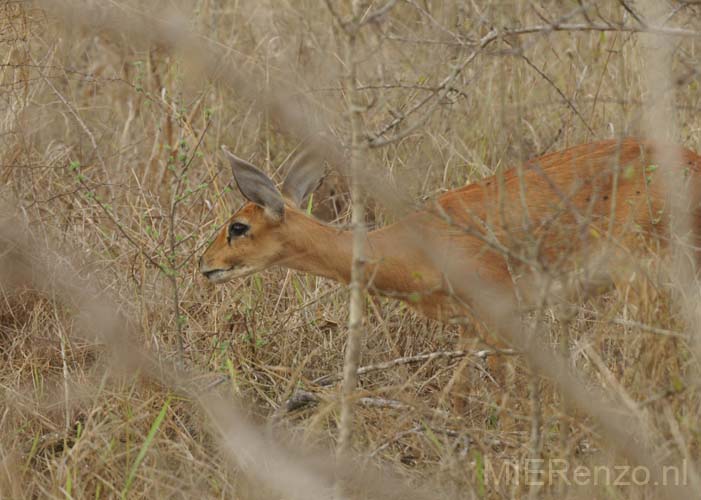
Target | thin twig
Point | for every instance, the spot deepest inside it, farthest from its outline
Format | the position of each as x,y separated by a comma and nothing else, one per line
356,313
376,14
443,87
407,360
648,328
87,131
560,92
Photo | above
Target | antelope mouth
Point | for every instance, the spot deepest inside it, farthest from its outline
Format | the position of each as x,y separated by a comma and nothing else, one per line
218,276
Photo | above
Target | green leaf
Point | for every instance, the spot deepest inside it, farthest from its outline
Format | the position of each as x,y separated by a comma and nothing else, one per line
232,375
432,436
677,384
69,484
479,470
309,204
32,451
628,172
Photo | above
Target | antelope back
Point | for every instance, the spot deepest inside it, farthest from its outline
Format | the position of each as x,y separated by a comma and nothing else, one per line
567,203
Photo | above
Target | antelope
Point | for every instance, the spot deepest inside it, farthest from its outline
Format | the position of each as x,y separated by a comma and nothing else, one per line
552,212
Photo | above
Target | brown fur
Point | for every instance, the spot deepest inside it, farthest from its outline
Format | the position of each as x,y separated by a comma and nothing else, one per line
551,212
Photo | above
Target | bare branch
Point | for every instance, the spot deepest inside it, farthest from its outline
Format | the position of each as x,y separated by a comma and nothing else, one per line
407,360
375,15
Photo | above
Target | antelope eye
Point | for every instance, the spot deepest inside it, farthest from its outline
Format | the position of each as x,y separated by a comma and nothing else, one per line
237,229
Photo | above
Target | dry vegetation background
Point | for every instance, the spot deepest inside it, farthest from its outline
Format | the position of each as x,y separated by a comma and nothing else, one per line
112,114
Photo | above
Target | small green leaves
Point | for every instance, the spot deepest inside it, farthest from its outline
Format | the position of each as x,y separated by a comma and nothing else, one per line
650,169
169,271
189,192
74,166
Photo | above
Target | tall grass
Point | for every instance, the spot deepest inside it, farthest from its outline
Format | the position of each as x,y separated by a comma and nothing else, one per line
112,118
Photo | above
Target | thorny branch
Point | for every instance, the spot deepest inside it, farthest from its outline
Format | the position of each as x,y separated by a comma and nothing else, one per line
378,138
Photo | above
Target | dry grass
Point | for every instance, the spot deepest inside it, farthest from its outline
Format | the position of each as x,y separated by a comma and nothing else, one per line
110,160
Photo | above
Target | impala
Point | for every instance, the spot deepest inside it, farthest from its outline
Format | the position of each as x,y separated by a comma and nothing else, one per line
550,214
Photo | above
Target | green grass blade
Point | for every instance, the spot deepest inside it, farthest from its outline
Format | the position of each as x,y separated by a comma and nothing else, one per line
144,447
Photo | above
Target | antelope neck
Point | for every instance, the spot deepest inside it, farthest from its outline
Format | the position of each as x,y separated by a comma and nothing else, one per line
326,251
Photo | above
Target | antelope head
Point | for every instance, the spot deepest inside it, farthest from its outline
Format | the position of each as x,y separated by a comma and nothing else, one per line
256,236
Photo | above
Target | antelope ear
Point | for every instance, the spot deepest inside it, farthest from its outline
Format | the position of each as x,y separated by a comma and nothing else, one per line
304,178
255,186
